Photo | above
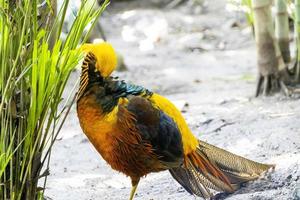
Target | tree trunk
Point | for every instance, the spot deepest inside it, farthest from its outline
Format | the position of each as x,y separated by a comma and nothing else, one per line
46,19
297,35
282,29
269,59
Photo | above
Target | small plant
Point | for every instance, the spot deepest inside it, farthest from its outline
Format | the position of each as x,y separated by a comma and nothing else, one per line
33,75
244,6
278,71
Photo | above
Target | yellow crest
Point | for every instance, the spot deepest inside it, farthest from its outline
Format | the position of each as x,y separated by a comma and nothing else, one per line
105,55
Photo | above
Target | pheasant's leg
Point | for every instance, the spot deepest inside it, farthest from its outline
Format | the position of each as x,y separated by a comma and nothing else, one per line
134,182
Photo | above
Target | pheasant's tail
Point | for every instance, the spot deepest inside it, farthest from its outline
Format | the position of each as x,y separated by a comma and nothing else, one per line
210,167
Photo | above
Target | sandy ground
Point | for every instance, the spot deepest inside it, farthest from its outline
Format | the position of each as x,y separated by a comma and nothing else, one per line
205,63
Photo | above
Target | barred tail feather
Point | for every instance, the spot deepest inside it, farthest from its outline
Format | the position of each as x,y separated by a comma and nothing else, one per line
212,168
236,168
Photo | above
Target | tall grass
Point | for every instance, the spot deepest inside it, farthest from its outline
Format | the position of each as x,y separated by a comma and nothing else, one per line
32,79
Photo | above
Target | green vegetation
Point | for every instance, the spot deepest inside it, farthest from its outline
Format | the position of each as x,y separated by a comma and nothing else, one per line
32,79
246,7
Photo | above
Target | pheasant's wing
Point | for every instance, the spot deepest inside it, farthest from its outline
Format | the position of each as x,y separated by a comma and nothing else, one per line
122,89
190,142
157,129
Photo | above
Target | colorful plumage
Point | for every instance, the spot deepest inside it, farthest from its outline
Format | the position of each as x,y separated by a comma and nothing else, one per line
138,132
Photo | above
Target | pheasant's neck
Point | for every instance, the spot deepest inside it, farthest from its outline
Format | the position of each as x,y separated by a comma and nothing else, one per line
89,75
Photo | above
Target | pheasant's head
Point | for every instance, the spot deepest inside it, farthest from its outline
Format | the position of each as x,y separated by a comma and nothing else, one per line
106,57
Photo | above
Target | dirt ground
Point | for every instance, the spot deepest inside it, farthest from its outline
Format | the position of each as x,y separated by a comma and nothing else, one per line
202,58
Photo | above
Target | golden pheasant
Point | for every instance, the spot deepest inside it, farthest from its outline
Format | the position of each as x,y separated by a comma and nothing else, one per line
138,132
